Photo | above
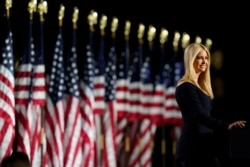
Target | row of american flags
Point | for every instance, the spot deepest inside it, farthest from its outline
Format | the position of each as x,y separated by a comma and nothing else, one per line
101,112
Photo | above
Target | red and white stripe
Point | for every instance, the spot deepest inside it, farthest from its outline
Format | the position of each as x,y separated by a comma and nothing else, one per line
109,126
172,114
99,92
54,129
24,108
88,126
7,112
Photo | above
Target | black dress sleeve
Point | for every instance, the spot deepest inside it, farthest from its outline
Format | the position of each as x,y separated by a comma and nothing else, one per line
196,105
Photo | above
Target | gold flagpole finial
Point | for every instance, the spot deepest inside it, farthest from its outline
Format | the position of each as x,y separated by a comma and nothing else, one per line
42,9
8,5
127,29
92,19
141,31
114,26
75,17
32,8
151,33
163,36
198,39
103,24
185,40
176,40
61,15
208,43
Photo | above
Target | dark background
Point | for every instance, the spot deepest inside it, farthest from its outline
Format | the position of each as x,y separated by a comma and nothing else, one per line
224,23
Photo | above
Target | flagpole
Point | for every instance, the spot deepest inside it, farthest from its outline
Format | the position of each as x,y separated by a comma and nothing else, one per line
42,134
140,36
102,26
163,39
92,21
127,130
32,7
109,138
163,146
151,36
42,9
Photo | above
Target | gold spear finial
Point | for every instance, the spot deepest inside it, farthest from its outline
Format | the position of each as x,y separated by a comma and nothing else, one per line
127,29
114,26
32,8
92,19
163,36
8,5
141,31
151,34
185,40
208,43
75,17
61,15
103,24
198,39
42,9
176,40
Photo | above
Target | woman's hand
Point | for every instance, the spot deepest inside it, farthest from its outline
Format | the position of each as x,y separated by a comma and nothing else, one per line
239,124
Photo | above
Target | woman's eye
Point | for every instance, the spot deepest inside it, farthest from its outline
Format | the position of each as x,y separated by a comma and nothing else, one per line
199,57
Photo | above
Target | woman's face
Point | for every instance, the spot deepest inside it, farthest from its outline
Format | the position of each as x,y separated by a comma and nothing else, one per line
201,62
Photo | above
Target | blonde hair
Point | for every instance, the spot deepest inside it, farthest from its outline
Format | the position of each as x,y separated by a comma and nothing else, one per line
204,81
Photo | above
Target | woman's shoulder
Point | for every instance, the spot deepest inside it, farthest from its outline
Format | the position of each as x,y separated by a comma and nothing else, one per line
185,83
188,86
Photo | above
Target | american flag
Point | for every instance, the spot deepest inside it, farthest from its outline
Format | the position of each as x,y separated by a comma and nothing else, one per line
39,83
23,75
135,105
142,145
99,92
55,107
26,117
72,117
110,114
87,107
122,97
7,112
122,83
38,100
135,84
99,89
152,91
161,80
172,114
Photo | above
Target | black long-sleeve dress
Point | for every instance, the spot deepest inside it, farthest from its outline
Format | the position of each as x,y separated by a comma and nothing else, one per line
196,139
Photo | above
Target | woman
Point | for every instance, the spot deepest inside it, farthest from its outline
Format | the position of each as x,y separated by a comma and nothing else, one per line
194,96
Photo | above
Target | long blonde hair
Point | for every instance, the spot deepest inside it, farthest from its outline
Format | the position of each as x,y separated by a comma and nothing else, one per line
204,80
